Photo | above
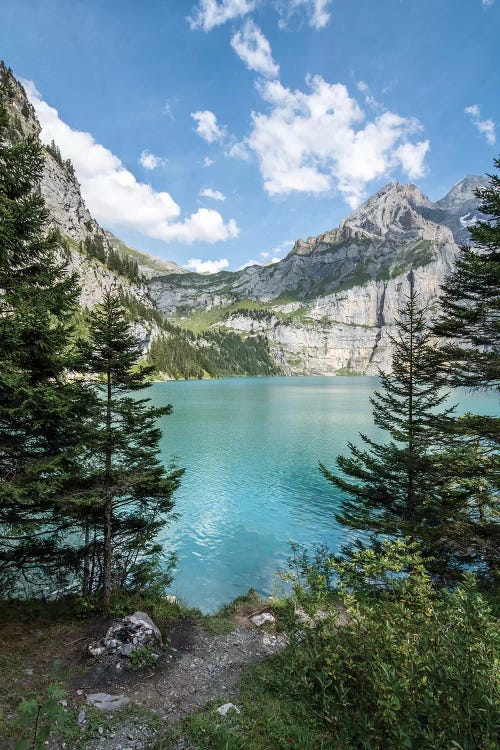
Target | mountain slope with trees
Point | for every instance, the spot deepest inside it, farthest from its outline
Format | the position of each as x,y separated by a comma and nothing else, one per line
103,263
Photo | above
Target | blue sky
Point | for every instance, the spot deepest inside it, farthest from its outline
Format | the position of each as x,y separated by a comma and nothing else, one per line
214,132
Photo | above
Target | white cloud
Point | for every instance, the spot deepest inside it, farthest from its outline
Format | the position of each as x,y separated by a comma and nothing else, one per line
206,266
486,127
151,161
412,156
279,251
207,162
318,141
253,48
216,195
362,86
209,13
167,111
113,194
487,3
317,11
270,257
207,127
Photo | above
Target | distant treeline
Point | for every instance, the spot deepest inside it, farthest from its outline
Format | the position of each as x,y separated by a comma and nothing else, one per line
119,263
180,353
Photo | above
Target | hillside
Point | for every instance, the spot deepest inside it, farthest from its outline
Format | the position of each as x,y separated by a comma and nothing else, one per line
103,262
329,306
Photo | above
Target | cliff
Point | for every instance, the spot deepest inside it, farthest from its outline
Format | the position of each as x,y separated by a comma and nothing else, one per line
329,306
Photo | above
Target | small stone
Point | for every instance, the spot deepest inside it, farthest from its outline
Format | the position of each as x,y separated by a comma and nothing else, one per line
82,717
260,620
224,710
106,702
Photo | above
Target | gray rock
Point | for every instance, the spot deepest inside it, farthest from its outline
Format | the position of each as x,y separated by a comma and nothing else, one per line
224,710
261,620
107,702
136,631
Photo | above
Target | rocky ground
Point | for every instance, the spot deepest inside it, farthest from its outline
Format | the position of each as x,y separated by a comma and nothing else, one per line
194,667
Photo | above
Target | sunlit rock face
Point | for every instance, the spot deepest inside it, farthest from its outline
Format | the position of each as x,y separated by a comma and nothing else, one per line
330,305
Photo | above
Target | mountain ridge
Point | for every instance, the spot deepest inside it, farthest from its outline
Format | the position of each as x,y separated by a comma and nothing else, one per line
330,305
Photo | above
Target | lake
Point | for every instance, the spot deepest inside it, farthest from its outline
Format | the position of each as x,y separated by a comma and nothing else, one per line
250,447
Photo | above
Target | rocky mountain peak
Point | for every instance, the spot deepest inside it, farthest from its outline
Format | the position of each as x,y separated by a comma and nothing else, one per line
395,208
464,191
23,120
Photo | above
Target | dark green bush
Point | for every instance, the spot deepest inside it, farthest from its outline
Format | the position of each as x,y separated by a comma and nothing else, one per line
411,667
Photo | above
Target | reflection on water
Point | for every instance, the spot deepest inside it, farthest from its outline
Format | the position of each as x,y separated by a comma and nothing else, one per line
251,448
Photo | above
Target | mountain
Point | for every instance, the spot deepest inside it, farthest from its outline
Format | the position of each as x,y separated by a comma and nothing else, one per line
329,306
103,262
148,265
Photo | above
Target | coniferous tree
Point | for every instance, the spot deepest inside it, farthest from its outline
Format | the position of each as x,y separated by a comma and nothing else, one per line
468,354
469,324
132,491
403,487
40,407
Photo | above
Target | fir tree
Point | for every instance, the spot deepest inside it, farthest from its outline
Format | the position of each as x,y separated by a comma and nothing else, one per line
40,407
132,491
468,354
469,324
403,487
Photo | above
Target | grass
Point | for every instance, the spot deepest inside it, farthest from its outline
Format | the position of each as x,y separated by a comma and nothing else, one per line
269,718
224,621
198,321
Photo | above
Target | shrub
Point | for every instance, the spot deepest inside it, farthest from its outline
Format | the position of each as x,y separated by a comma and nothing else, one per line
412,668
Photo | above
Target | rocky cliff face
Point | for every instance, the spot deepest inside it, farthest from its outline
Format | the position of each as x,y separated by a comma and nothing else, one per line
67,210
326,308
330,305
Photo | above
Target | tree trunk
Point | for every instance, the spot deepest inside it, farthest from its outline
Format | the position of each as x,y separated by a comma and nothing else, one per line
108,508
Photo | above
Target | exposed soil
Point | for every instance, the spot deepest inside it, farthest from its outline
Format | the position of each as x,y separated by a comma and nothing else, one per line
196,667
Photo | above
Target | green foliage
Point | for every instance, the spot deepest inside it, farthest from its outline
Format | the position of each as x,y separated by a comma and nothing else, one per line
127,492
42,411
120,263
212,353
230,354
143,657
41,716
468,354
54,150
469,324
410,667
408,486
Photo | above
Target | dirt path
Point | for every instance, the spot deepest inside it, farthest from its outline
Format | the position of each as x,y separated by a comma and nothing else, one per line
196,668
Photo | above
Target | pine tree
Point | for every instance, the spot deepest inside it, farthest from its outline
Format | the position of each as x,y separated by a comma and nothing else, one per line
40,407
469,325
132,490
468,354
403,487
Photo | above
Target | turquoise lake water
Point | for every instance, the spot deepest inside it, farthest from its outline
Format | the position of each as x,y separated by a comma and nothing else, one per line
250,447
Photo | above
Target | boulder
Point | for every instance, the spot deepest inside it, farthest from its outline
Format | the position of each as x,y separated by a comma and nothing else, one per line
126,635
106,702
260,620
